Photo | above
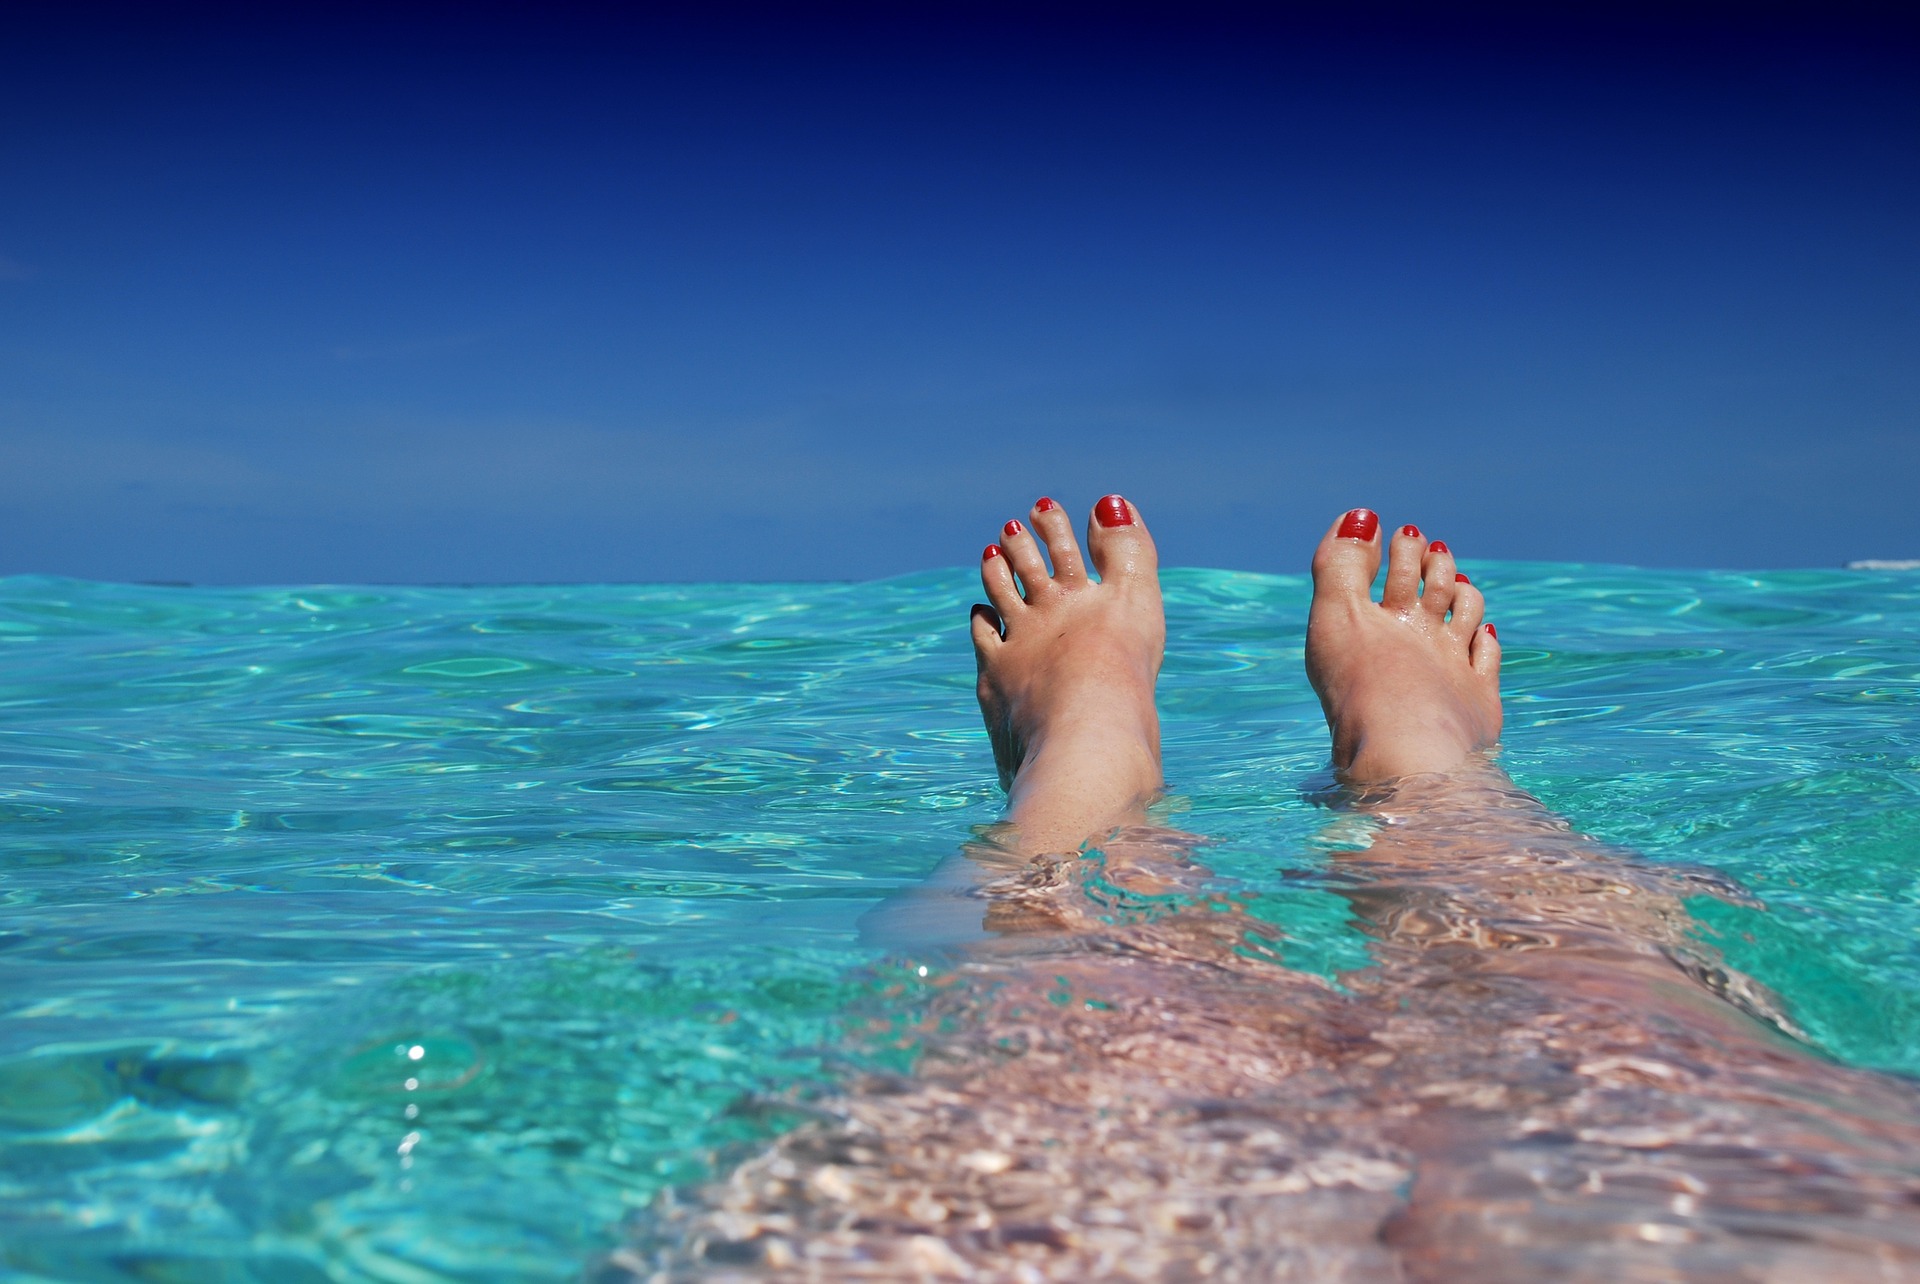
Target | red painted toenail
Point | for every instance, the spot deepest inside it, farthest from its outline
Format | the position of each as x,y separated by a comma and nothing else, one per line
1113,511
1493,633
1012,529
1360,524
1044,505
1412,530
993,550
1458,578
1438,546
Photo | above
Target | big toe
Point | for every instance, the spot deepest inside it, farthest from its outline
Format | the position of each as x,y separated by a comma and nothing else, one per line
1118,542
1349,556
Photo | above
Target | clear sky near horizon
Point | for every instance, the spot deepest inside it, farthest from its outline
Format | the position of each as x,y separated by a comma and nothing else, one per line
480,293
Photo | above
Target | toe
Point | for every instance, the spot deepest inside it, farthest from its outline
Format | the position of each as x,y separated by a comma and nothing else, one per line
1469,608
1119,542
997,578
986,631
1348,556
1023,554
1484,653
1055,529
1404,555
1437,580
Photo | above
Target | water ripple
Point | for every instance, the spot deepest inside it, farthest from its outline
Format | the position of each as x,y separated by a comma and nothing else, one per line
615,841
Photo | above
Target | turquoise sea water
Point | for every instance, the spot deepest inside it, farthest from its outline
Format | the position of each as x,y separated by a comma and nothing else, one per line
419,934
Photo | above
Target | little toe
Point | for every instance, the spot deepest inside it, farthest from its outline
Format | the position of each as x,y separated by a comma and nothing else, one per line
1051,523
1469,608
986,631
1348,556
1404,554
1118,540
997,578
1023,554
1437,580
1484,653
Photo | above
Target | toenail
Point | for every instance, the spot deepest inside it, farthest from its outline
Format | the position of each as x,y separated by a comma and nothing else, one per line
993,550
1438,546
1458,578
1411,530
1493,633
1044,505
1013,528
1360,524
1113,511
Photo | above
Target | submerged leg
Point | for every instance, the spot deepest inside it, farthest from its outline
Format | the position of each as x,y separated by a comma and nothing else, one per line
1410,686
1578,1104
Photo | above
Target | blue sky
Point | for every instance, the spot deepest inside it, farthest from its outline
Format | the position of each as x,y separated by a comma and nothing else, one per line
481,294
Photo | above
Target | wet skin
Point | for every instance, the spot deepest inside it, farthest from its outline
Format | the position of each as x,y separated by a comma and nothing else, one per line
1067,668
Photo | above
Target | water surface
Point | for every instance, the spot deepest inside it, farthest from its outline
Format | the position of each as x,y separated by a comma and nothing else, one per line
417,934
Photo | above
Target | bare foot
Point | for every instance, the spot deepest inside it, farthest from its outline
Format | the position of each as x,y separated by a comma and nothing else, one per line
1067,668
1410,683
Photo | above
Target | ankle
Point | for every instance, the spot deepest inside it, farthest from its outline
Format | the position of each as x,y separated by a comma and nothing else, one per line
1082,780
1119,735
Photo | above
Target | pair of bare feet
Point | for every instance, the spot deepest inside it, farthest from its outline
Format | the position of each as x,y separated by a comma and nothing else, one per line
1410,684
